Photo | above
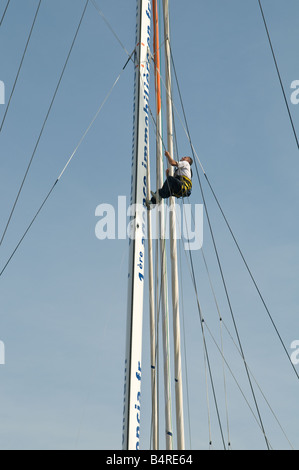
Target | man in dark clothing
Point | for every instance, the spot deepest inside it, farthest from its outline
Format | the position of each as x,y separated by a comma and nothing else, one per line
179,185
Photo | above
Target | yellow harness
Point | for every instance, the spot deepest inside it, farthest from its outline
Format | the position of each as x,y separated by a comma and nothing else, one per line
186,187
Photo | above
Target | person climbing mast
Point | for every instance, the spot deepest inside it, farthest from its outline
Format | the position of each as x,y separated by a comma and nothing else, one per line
179,185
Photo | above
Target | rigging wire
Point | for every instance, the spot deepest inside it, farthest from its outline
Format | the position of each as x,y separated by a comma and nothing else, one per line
185,351
162,252
224,361
186,129
253,279
176,147
20,66
211,188
221,338
278,73
206,355
235,379
206,360
259,387
109,26
44,124
159,293
220,350
243,394
220,265
4,13
63,170
159,309
208,400
230,307
225,287
205,347
194,152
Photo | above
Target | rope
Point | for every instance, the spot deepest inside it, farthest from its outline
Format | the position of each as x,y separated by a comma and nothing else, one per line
28,228
278,73
44,124
204,339
222,349
185,349
259,387
62,172
186,128
252,278
208,400
221,270
158,310
224,361
88,128
204,322
195,154
230,307
235,379
207,362
109,26
4,13
22,60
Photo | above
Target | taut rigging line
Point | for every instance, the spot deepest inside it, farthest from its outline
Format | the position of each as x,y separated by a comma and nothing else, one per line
44,123
21,63
65,167
186,128
4,13
279,75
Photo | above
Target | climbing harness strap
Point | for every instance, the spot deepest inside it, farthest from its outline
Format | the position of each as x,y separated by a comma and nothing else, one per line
186,187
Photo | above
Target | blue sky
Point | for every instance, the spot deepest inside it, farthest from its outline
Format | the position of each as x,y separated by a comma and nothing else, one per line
63,296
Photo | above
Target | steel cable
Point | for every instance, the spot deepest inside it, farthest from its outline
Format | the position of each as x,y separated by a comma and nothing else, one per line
44,125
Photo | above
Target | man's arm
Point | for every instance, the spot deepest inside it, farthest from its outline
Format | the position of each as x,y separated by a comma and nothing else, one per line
171,161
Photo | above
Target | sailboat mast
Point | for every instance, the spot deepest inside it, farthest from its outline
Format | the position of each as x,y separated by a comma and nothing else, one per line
161,216
132,382
154,381
173,244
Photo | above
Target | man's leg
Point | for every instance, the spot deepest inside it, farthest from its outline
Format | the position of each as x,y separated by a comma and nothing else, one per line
171,186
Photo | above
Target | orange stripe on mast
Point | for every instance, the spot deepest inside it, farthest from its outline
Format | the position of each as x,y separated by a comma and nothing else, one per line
157,56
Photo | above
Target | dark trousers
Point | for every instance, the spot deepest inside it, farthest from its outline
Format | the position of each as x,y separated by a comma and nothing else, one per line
171,186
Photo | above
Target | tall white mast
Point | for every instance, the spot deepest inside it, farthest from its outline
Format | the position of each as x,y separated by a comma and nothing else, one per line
154,382
161,215
140,153
173,245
